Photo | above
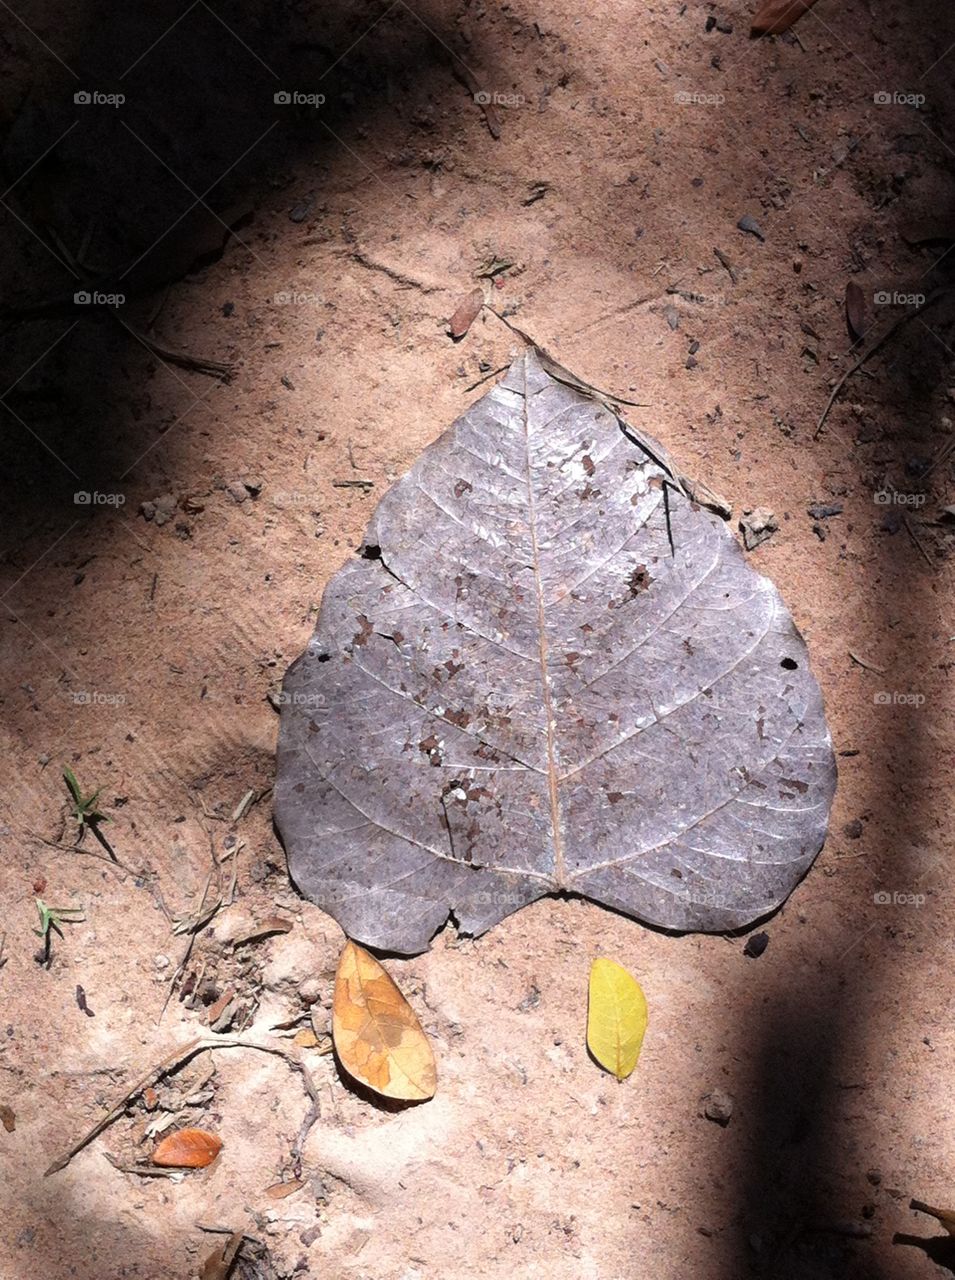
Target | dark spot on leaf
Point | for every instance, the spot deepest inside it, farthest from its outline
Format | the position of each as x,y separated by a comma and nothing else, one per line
614,796
796,783
462,487
361,637
588,464
370,551
639,580
789,664
460,718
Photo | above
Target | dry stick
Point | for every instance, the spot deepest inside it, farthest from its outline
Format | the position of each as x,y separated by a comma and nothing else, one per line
88,853
170,1063
854,368
694,490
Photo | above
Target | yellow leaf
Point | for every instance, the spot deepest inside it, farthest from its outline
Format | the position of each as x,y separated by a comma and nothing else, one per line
377,1036
616,1017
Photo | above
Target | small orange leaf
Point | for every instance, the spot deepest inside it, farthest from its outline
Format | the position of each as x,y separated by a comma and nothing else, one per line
279,1190
188,1149
468,310
377,1036
306,1038
773,17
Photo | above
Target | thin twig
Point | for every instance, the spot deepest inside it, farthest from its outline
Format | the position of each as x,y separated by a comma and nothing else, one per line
177,1058
877,345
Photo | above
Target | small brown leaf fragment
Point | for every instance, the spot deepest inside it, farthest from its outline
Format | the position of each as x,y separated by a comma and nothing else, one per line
377,1035
219,1262
187,1149
465,314
279,1190
262,929
218,1007
855,311
8,1118
150,1098
306,1038
773,17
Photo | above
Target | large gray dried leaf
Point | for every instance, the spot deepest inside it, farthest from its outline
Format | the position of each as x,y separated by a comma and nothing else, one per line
550,671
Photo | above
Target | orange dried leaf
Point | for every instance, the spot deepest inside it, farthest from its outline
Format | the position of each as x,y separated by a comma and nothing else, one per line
773,17
279,1190
187,1149
377,1036
306,1038
466,313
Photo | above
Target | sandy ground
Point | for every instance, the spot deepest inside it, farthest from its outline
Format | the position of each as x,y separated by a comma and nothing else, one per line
140,645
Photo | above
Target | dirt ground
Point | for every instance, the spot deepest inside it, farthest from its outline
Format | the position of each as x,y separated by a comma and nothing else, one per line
144,630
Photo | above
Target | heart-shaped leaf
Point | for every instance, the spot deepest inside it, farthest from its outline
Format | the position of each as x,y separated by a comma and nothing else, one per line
549,671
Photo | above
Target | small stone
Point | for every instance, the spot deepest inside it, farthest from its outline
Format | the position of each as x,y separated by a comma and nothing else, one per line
718,1107
237,491
756,944
758,526
161,962
750,226
853,830
874,1177
672,317
300,211
310,990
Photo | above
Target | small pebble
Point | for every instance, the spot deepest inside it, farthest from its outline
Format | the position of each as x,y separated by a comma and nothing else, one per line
756,944
751,226
718,1107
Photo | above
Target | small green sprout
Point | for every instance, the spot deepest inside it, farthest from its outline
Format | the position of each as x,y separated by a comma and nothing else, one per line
51,918
84,812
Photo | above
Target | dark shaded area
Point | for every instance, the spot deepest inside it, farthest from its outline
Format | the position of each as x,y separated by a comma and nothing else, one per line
105,200
803,1051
